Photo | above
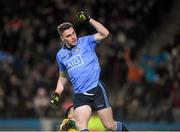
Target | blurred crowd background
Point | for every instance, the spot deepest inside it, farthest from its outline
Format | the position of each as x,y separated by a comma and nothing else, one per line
143,76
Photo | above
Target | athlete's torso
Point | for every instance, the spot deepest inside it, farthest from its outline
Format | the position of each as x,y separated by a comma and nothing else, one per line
81,64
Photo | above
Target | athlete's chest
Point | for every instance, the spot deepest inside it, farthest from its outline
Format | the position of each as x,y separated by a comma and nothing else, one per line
75,57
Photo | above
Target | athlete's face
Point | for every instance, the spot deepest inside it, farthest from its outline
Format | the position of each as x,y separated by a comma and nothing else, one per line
69,37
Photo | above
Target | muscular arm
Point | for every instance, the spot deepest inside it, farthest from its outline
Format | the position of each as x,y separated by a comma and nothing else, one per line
61,82
102,32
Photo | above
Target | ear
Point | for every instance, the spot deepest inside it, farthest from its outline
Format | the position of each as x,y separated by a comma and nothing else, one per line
62,39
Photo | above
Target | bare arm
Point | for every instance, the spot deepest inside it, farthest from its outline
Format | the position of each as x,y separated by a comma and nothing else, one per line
59,89
102,32
61,82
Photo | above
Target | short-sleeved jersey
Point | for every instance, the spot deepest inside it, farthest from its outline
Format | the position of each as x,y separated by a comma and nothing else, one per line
81,64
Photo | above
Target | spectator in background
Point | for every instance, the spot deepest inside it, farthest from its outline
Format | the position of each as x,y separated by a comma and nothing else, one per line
2,102
41,102
135,72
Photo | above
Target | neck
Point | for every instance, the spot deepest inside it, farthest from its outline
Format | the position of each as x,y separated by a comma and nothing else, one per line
68,46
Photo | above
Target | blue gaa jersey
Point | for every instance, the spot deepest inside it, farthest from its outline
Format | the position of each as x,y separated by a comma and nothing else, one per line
81,64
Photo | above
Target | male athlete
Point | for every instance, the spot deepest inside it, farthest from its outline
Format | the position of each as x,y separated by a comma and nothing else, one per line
78,59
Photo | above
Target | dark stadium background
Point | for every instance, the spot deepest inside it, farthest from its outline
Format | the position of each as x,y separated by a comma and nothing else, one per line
140,61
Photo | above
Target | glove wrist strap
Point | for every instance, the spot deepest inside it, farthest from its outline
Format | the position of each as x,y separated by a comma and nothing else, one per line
88,18
56,94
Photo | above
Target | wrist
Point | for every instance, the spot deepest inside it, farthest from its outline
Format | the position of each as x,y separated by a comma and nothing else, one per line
56,94
88,18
